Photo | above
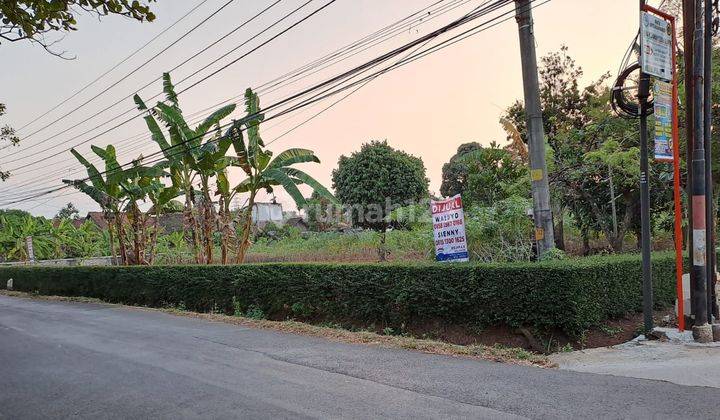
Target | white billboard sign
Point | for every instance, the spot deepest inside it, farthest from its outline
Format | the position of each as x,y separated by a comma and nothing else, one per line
656,46
449,229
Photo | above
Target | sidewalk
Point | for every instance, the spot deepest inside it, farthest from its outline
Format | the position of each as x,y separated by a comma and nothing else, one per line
678,360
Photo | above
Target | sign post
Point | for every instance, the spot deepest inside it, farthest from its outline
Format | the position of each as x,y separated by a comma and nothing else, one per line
30,249
658,56
449,230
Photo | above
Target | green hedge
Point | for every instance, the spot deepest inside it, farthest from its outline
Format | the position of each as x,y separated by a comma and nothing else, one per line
571,295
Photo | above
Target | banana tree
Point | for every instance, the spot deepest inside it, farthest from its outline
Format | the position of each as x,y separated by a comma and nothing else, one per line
140,184
106,192
264,172
15,230
160,195
191,159
118,194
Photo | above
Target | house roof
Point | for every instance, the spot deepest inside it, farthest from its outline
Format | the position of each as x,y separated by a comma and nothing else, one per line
170,222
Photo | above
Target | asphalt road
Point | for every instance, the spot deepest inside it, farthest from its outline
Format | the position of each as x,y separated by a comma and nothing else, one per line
60,360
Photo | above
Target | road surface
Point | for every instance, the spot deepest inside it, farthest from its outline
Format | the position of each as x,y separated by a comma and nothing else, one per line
60,359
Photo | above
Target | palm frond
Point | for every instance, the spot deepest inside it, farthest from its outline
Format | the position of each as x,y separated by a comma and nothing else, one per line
288,184
214,119
169,89
293,156
311,182
92,171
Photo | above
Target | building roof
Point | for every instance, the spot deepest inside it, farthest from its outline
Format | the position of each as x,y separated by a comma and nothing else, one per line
169,222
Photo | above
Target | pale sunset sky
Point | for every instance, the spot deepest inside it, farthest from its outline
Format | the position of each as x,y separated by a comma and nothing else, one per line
426,108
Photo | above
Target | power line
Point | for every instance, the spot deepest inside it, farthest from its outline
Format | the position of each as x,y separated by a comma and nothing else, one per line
79,91
376,61
338,53
155,96
207,19
496,5
434,34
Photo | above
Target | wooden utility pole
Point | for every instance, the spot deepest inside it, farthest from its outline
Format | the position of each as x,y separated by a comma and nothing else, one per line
544,234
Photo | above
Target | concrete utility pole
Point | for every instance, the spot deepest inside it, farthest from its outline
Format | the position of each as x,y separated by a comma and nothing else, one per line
709,203
544,233
688,33
702,331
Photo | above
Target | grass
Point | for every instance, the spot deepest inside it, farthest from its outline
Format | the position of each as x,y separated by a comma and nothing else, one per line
495,353
351,247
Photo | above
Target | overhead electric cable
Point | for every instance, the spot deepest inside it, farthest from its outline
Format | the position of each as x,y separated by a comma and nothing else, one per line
184,79
121,62
422,19
434,34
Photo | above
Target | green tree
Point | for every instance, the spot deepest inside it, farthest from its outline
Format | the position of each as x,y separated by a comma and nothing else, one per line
590,148
190,156
118,194
455,172
34,20
68,212
15,228
563,104
322,213
7,138
493,175
375,181
261,170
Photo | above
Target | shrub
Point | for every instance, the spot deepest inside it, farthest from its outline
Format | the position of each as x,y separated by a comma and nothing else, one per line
570,295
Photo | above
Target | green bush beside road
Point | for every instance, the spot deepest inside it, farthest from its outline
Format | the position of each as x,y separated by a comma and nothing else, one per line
570,294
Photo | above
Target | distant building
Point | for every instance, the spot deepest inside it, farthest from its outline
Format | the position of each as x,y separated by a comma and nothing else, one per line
297,222
264,213
169,222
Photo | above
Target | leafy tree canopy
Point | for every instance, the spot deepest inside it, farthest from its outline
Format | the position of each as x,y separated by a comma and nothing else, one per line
375,180
454,173
493,175
7,137
32,20
68,212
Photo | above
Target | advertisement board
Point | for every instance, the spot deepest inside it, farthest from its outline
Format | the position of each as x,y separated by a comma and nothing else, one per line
449,229
662,93
656,46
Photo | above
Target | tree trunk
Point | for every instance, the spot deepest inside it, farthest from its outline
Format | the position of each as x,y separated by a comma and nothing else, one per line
191,224
121,240
244,244
382,249
113,258
154,237
586,242
138,235
225,230
207,224
560,233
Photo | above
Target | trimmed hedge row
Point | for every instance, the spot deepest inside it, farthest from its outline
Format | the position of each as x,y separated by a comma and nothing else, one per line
571,295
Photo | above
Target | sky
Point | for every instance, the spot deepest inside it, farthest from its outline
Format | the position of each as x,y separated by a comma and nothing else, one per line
426,108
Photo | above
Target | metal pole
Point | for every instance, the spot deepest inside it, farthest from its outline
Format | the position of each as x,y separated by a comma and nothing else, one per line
613,206
709,204
701,329
544,233
643,95
676,186
688,33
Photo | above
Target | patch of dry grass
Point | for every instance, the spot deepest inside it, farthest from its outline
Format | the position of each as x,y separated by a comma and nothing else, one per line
492,353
